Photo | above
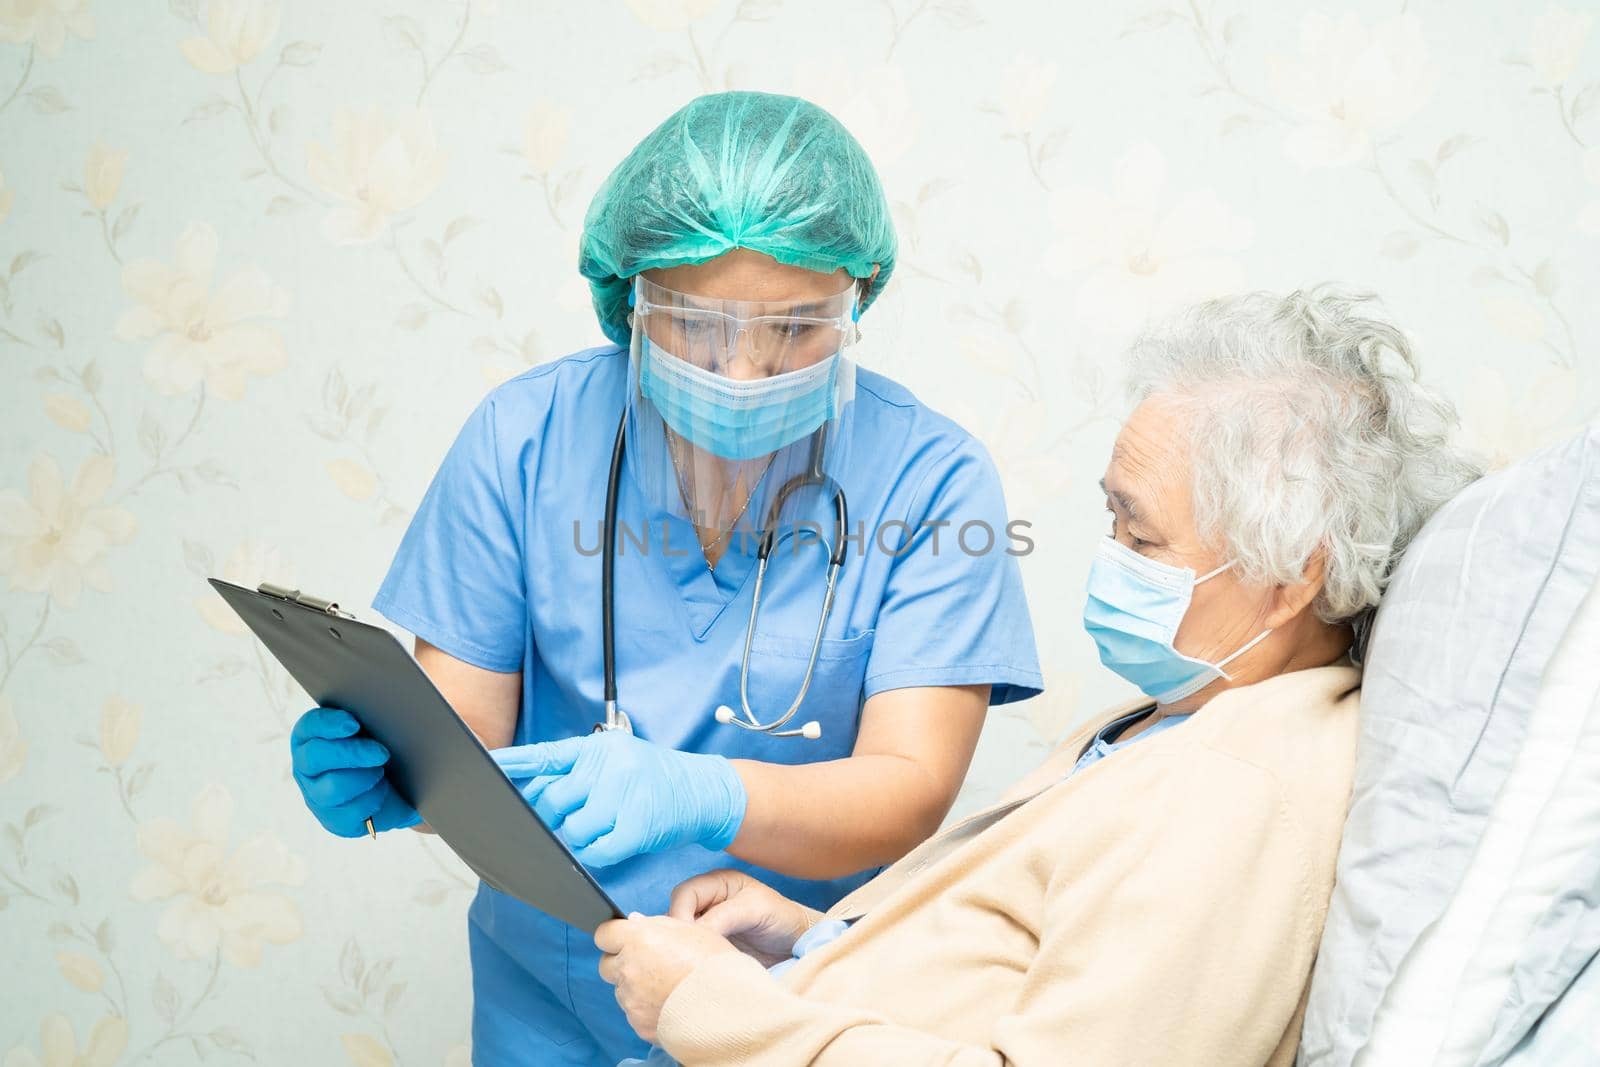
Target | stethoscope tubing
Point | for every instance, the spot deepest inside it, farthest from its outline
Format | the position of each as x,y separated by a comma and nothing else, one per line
616,718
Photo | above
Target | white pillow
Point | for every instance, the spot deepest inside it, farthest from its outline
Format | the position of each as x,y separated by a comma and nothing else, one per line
1568,1035
1538,843
1468,884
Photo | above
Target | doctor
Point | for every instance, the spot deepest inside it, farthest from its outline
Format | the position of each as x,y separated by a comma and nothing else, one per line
806,620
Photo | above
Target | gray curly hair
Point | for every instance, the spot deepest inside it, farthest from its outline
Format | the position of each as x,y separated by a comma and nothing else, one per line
1310,431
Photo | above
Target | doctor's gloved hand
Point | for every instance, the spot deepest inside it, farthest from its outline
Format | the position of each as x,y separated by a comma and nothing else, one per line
611,796
341,778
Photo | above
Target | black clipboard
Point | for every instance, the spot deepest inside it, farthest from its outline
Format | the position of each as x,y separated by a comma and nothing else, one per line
436,762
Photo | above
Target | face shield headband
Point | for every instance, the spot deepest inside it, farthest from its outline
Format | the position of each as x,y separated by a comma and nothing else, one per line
732,397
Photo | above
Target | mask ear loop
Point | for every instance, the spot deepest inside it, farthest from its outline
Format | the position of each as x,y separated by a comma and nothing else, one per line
1248,645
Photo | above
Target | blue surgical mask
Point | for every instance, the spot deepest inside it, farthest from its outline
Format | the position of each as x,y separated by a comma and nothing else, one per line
1134,607
738,420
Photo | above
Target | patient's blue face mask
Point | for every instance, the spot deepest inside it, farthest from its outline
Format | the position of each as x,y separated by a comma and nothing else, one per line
1134,608
738,420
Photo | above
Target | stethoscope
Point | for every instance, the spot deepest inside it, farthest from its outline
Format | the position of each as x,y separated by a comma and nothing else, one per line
616,718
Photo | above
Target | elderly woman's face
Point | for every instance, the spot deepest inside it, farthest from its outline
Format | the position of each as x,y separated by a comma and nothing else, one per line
1148,492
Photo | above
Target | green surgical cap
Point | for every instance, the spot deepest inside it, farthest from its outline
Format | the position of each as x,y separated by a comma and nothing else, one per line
774,174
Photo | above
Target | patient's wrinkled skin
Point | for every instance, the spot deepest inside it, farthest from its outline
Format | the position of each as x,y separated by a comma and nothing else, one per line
647,956
708,915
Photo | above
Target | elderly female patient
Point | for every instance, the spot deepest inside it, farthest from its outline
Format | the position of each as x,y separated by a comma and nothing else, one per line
1154,893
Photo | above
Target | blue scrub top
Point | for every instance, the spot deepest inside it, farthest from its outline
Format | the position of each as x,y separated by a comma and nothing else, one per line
500,568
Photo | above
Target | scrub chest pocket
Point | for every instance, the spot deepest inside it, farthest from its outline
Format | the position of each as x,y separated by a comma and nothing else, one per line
833,699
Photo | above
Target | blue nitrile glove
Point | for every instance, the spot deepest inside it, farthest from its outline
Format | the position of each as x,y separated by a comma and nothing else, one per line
611,795
341,775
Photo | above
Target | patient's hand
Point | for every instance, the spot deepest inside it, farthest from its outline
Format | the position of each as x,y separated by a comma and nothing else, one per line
646,956
756,918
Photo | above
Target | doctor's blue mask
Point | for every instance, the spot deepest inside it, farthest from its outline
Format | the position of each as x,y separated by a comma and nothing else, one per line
1134,607
738,420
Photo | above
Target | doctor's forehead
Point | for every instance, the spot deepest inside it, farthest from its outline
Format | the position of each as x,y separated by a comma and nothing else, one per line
743,274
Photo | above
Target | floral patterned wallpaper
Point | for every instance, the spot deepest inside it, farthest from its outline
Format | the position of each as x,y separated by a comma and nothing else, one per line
258,260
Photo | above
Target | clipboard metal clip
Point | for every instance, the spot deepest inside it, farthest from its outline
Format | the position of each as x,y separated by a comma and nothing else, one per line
305,600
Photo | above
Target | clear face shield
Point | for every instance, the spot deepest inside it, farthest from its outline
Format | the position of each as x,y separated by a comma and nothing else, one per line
733,400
